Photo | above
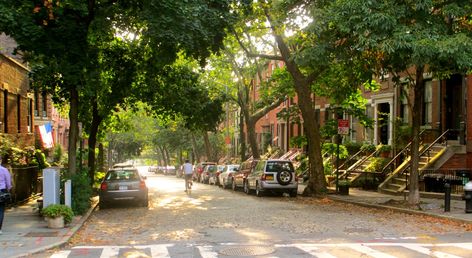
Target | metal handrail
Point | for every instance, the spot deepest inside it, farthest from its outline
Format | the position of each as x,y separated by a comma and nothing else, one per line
350,158
407,147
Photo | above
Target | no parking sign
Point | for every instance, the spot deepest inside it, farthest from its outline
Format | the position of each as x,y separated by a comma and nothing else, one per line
343,126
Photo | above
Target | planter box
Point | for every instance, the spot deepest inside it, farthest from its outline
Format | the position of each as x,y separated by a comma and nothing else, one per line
57,222
343,189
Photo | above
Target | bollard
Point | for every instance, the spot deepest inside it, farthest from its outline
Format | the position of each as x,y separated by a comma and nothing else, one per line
447,197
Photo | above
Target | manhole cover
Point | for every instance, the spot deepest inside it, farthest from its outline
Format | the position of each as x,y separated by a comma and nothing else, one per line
247,250
42,234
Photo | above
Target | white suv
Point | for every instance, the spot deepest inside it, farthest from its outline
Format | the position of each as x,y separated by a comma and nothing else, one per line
272,175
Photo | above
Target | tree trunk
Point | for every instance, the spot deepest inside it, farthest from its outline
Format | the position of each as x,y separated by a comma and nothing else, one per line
163,155
92,141
101,159
206,140
73,131
242,138
418,89
251,131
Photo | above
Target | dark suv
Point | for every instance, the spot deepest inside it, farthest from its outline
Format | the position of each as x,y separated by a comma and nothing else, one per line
241,174
277,176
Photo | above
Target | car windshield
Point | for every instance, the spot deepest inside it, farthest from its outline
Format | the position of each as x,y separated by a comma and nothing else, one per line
276,166
122,175
211,168
233,168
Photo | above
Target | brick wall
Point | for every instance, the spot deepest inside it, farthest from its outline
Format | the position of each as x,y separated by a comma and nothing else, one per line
457,161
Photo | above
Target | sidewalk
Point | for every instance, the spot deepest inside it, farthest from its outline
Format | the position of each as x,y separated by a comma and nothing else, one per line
26,233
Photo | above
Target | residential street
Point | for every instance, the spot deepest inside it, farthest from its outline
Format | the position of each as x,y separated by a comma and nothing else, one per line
213,222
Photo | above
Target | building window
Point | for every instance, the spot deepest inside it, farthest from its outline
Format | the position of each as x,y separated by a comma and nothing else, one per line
30,115
428,103
45,104
5,111
18,113
404,109
36,103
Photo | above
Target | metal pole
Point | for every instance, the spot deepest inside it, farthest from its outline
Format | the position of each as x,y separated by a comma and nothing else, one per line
447,197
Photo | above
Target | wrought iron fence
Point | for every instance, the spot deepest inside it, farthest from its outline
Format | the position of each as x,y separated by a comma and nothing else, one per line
434,180
26,183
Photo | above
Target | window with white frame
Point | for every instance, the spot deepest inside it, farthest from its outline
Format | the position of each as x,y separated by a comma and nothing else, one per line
428,103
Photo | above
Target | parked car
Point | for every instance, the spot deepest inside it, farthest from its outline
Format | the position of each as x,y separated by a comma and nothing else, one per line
169,170
219,170
240,176
225,178
123,185
277,176
208,174
198,170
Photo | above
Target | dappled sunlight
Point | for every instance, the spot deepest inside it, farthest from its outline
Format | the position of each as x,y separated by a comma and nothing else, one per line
254,236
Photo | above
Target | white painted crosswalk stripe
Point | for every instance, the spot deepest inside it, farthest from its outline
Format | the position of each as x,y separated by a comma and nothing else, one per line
369,251
321,250
313,250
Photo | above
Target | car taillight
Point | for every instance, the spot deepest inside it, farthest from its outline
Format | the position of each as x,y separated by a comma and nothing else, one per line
104,186
230,174
263,177
296,178
142,184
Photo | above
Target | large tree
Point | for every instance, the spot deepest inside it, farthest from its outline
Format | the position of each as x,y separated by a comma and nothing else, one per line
60,39
407,39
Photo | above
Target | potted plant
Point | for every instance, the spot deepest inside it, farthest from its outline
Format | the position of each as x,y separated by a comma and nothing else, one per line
57,215
368,148
384,150
343,187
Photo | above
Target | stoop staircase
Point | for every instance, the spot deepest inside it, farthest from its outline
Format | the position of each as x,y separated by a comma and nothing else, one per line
397,178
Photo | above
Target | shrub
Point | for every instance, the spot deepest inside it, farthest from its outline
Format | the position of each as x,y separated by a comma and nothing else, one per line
81,192
352,147
377,164
57,210
368,148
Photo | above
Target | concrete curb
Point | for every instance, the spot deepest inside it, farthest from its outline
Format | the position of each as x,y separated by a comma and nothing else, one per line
407,211
66,237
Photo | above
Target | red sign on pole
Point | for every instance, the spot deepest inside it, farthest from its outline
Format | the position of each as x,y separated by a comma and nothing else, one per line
343,126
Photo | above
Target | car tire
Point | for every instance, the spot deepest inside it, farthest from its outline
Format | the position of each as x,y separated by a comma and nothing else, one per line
284,177
246,188
259,192
145,203
233,185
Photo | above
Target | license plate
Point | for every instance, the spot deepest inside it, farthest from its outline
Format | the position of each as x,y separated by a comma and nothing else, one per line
123,187
269,177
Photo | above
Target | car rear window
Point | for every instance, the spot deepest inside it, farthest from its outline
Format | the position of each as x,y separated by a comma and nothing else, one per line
122,175
276,166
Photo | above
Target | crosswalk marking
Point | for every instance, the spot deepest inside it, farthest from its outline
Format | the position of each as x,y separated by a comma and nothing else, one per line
110,251
61,254
420,249
369,251
315,251
206,251
319,250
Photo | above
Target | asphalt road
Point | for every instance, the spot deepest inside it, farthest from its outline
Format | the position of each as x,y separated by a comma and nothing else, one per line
212,222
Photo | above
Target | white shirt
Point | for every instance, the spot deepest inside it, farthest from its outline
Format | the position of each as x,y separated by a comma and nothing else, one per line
188,168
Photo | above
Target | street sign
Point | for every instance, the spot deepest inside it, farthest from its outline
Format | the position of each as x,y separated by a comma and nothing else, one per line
343,126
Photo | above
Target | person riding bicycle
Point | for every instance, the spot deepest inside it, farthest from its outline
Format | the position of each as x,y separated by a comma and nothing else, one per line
188,172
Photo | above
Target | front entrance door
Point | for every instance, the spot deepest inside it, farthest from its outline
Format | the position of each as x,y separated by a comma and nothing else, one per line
383,122
453,105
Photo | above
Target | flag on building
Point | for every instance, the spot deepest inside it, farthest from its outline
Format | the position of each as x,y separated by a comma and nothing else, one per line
46,135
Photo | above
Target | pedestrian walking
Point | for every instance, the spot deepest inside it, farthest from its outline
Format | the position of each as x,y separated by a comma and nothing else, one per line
188,173
5,187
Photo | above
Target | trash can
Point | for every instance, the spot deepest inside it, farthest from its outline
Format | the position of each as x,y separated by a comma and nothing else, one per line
468,197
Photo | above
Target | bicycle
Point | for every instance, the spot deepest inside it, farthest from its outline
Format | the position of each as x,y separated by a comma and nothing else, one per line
188,183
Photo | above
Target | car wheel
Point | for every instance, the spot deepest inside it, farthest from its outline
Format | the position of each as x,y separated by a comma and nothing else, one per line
145,203
293,193
102,205
233,185
259,192
247,190
284,177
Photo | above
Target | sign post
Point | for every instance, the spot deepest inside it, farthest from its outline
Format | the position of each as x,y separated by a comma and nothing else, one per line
343,129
